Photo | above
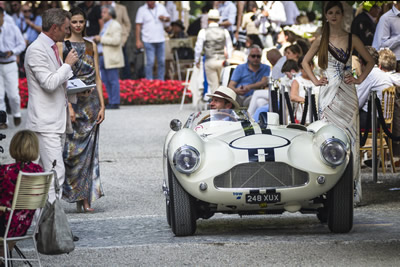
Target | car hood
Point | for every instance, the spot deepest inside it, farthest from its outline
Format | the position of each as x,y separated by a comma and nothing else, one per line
247,135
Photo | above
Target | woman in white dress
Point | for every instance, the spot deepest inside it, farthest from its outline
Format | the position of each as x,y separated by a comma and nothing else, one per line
338,102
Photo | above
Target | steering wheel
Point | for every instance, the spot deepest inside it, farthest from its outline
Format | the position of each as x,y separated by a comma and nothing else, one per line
205,119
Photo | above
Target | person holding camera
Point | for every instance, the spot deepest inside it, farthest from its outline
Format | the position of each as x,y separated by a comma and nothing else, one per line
269,20
12,43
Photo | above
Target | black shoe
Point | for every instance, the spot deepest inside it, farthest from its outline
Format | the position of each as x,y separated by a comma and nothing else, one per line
75,238
368,162
17,121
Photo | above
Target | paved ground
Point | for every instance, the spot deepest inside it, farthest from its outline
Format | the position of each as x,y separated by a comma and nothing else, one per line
129,226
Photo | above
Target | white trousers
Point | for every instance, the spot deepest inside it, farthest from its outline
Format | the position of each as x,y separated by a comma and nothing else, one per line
259,99
9,85
51,147
213,69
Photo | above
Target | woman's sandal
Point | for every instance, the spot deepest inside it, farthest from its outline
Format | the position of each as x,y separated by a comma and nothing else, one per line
81,208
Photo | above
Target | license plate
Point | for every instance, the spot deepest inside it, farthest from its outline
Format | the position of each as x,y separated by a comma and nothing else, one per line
257,198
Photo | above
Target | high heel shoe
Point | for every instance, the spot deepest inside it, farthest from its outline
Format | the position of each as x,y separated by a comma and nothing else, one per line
80,206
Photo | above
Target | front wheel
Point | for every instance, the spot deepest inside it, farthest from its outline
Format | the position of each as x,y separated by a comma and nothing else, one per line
182,209
340,202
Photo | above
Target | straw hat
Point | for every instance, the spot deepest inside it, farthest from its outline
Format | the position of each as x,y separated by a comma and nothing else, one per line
213,14
227,94
237,58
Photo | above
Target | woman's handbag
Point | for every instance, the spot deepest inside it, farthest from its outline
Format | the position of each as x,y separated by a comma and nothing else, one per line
55,235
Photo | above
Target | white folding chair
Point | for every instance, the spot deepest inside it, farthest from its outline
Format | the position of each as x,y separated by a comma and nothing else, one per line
31,192
186,86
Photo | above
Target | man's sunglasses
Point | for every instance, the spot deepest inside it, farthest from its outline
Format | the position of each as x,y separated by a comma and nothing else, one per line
255,56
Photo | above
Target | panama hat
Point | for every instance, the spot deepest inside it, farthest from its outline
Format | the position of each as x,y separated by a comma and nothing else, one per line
227,94
237,58
213,14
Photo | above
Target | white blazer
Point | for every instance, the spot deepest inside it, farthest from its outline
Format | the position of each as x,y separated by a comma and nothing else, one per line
47,106
112,46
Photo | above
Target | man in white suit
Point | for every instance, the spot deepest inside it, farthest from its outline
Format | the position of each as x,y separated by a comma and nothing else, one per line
47,77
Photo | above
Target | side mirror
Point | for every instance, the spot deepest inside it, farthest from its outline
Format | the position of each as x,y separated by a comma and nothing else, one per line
175,125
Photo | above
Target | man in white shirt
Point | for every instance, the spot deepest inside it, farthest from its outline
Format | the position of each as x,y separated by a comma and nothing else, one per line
150,19
12,44
277,60
227,11
377,80
387,34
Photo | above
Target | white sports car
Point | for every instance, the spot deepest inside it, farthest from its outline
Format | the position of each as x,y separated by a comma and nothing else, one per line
223,161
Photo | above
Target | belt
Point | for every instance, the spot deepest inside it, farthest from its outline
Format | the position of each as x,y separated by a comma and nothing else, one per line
4,63
100,54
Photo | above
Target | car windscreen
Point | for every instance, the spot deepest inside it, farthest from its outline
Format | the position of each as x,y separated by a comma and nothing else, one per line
228,115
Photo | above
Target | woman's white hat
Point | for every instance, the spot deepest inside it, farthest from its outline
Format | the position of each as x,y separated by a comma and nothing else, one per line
226,93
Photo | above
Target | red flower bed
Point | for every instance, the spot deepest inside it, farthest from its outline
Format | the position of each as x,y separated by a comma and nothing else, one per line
134,92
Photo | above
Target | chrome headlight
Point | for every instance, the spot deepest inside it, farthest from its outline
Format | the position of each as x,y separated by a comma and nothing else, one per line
333,152
186,159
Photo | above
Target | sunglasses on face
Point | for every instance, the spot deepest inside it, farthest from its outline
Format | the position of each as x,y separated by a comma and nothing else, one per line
27,11
255,56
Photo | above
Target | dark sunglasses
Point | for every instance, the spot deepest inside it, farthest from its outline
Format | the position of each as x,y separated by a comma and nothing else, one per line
26,11
255,56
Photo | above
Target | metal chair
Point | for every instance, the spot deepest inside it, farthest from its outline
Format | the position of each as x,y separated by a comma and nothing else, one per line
31,192
384,143
186,86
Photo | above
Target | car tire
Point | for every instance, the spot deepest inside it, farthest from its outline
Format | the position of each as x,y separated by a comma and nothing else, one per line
340,202
182,210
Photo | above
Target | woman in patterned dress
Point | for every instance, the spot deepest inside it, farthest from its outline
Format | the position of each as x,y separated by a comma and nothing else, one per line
338,102
82,176
24,148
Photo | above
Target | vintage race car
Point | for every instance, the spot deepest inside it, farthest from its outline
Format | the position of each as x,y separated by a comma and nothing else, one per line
223,161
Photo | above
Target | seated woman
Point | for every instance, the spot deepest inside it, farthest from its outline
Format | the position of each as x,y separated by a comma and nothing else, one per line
298,91
24,148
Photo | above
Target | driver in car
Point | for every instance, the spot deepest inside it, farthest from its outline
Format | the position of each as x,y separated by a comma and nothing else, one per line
223,98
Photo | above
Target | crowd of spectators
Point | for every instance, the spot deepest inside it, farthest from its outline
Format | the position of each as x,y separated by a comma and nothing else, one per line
278,28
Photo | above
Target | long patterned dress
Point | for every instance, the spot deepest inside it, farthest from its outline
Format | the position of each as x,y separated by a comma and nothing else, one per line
338,104
81,154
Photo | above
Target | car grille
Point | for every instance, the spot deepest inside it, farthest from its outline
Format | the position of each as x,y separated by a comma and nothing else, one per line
261,174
